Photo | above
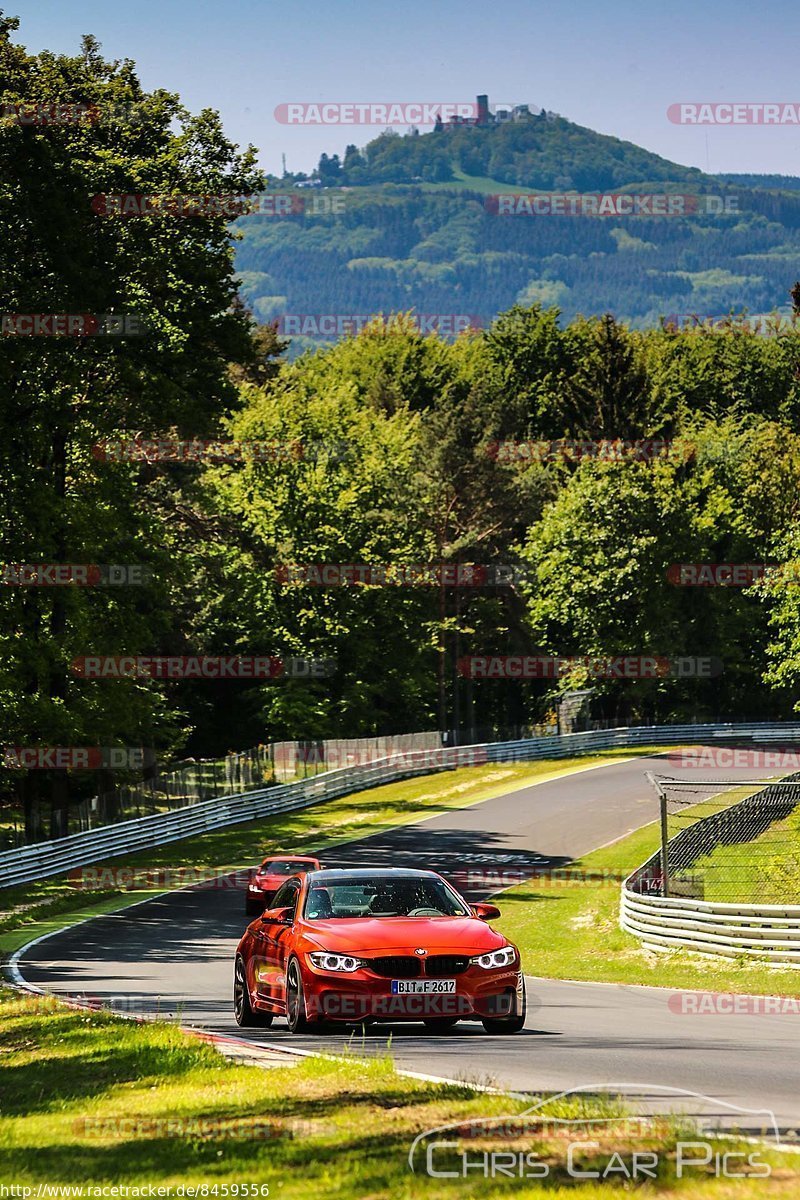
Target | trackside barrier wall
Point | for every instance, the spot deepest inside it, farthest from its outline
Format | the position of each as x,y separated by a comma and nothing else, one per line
767,932
764,931
44,859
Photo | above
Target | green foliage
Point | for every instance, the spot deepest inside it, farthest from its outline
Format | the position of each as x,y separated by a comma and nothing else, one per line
602,552
62,396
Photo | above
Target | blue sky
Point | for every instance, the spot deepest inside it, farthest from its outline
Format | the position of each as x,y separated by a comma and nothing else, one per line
614,65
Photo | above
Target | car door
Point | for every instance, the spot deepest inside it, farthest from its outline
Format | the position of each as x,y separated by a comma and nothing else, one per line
276,941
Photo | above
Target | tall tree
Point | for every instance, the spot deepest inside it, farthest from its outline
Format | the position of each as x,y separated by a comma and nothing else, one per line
171,279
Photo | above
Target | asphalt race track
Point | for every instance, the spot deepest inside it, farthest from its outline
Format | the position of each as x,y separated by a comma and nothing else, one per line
174,955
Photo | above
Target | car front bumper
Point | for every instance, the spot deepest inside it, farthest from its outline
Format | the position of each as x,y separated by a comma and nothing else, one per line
361,996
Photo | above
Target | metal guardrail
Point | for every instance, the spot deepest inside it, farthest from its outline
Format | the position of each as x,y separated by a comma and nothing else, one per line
767,932
45,859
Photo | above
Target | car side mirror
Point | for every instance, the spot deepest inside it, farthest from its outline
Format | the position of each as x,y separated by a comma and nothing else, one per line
486,912
277,916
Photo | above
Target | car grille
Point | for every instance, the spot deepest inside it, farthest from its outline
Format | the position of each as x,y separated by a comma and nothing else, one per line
403,966
445,964
398,966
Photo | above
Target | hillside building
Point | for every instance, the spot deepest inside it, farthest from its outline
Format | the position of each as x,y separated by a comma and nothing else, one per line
484,117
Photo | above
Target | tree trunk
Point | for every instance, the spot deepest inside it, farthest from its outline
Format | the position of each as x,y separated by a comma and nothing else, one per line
31,810
59,809
442,663
59,794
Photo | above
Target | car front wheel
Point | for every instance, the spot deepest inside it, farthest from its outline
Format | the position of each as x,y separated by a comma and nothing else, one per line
296,1011
243,1011
508,1024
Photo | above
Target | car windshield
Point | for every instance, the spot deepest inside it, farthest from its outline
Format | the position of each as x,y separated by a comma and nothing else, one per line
283,866
383,897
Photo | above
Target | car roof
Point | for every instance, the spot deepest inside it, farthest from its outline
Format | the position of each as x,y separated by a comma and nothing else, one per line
289,858
334,874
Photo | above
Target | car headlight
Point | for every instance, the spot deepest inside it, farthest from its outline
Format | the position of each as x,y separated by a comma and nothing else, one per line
495,958
334,962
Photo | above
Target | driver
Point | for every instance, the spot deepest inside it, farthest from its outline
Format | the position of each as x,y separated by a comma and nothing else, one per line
403,901
386,903
319,907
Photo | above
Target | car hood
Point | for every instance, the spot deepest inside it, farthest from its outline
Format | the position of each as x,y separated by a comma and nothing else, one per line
393,935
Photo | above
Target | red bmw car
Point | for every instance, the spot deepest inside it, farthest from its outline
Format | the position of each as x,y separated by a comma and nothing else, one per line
358,946
272,875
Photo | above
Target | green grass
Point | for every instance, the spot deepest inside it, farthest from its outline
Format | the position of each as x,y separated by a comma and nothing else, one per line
40,907
571,931
90,1100
764,871
473,183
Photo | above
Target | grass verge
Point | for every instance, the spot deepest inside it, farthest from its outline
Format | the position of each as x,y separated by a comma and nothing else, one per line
90,1101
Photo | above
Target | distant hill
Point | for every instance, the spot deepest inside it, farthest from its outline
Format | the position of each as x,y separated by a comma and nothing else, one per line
544,152
784,183
415,226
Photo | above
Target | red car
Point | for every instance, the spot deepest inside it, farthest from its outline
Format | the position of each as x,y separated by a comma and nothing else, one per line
358,946
272,875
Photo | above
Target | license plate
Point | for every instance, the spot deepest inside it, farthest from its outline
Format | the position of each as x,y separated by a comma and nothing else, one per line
401,987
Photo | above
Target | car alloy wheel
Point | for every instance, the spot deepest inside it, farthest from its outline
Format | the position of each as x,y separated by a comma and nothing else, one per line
508,1024
296,1015
243,1011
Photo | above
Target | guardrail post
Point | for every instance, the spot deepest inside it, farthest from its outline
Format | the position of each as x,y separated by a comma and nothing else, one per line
662,796
664,846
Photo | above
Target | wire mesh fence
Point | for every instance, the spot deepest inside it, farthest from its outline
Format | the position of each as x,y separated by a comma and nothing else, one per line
194,781
727,840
